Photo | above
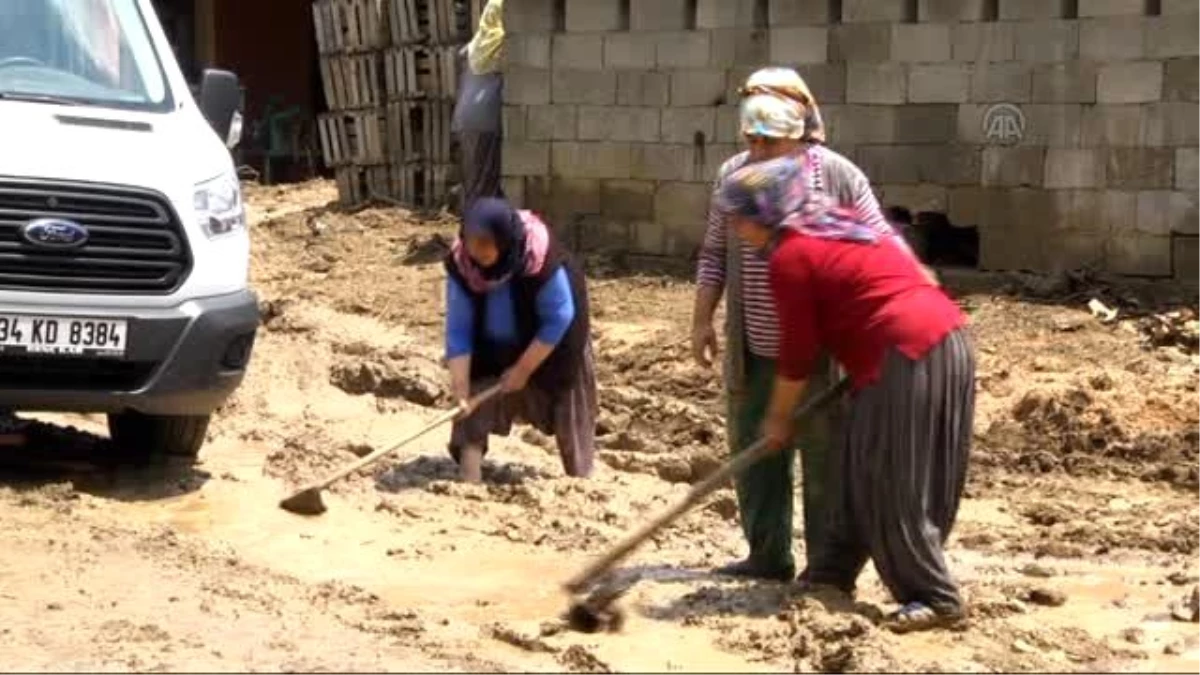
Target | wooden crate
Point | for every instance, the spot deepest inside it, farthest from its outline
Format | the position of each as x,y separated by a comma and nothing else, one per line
359,184
352,81
420,72
347,26
405,17
353,137
443,22
419,131
420,184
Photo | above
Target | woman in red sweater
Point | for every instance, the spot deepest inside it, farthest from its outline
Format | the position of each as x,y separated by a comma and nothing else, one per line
900,464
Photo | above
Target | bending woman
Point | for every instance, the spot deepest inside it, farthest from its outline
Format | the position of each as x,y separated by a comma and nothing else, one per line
900,462
517,313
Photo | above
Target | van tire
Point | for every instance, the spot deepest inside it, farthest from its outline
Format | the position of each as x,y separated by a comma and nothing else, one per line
145,438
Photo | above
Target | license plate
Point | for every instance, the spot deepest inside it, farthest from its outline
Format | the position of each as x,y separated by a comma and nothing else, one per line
62,336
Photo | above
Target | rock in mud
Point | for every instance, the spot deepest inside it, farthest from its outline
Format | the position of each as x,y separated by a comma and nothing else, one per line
514,637
725,506
579,659
1047,597
1037,571
1187,609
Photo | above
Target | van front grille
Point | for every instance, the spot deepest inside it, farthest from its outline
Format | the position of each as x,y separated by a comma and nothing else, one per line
135,240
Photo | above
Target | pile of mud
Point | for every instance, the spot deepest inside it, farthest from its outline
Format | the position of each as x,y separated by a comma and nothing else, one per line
1070,431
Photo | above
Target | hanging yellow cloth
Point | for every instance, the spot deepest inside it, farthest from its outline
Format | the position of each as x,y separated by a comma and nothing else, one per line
486,47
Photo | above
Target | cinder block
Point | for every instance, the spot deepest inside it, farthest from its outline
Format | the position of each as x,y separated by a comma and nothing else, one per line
1074,250
598,232
1071,82
913,164
682,49
587,87
591,160
526,158
734,79
968,206
524,17
681,203
1002,82
536,194
942,83
1170,36
714,156
1099,211
798,13
1015,10
885,83
724,14
629,199
860,43
1112,125
728,125
950,10
1013,166
578,51
1187,171
1046,41
859,11
689,125
1181,79
739,47
660,161
826,81
514,190
1131,82
984,42
1140,168
528,50
1153,213
1074,168
1090,8
921,42
593,16
1049,125
1140,255
922,123
1177,7
1169,124
527,86
697,87
684,240
657,15
630,50
649,237
1185,218
1185,259
799,44
915,198
862,124
515,123
573,196
1116,38
643,88
619,123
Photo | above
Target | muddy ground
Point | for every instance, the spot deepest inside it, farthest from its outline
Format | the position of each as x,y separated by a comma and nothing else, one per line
1079,531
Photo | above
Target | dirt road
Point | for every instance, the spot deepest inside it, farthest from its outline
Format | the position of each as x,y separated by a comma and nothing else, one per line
1079,530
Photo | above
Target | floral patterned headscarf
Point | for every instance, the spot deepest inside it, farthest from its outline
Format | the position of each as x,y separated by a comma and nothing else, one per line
787,85
776,193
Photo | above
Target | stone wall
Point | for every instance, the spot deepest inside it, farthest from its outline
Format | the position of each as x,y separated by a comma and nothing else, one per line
1065,130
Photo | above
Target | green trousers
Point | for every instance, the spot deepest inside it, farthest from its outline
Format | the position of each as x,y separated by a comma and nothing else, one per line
764,491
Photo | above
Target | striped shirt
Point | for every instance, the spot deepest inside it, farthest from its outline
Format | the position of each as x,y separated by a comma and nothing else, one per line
849,184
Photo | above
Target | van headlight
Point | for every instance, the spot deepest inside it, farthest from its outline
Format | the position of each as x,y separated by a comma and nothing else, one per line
219,208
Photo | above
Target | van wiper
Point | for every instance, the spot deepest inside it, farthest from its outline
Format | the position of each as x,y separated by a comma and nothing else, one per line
36,98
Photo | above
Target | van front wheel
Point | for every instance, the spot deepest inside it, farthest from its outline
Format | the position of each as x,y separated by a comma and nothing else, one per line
148,437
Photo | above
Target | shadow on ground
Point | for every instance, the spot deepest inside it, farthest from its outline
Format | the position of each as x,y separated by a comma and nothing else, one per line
419,473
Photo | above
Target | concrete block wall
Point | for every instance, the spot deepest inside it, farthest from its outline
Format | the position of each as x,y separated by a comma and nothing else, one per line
619,113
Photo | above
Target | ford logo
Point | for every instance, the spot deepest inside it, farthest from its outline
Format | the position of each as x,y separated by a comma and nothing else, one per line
55,233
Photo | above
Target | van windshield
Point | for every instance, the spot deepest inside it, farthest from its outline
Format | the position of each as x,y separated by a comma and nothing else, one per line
91,52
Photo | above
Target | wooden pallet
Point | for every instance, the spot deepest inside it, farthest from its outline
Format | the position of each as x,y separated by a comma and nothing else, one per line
420,184
359,184
353,137
420,72
348,26
352,81
419,131
406,22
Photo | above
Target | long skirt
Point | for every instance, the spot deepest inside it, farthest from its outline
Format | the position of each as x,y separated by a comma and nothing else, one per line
480,165
569,416
898,475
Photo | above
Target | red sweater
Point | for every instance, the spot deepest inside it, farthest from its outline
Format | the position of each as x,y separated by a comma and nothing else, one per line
855,300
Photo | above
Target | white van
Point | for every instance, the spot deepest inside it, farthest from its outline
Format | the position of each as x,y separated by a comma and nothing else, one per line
124,253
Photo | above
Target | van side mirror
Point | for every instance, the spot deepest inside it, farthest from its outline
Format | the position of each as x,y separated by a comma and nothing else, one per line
220,98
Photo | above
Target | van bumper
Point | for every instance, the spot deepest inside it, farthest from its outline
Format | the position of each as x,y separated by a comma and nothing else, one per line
184,360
